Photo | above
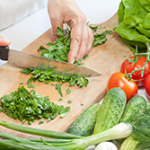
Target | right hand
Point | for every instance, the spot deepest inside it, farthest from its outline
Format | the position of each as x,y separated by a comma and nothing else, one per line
67,11
4,42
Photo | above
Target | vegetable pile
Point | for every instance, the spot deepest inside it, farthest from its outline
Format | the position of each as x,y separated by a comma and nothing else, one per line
128,122
134,23
29,106
134,29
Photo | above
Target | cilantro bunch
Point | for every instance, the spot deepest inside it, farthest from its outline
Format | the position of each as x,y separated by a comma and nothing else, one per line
60,50
29,106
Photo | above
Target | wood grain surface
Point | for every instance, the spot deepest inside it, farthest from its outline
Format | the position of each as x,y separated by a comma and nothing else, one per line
105,59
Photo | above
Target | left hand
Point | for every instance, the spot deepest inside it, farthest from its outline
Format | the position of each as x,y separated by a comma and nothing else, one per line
67,11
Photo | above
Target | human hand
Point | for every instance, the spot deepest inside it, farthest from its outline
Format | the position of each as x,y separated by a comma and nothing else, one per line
4,42
67,11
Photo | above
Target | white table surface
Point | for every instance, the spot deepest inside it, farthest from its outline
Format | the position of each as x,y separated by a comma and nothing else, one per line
28,29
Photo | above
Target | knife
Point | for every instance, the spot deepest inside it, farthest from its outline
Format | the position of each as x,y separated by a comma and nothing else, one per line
27,60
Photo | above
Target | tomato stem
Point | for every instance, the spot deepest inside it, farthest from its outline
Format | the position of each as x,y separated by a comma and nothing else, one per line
129,75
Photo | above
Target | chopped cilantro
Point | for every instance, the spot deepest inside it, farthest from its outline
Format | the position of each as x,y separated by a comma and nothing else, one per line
64,111
41,122
85,57
100,38
31,86
68,91
59,51
58,88
29,106
48,74
60,99
81,104
69,101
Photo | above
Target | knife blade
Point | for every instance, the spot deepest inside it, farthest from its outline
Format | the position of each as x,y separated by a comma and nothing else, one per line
27,60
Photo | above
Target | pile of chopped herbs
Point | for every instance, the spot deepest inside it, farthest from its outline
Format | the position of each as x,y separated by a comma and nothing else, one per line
48,74
29,106
59,51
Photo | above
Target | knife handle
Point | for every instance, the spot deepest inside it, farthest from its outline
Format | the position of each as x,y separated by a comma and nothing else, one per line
4,52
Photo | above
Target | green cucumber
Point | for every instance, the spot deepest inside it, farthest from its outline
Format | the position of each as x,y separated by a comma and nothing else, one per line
84,123
111,110
135,104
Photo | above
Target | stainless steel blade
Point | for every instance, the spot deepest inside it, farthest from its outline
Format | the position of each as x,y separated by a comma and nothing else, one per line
27,60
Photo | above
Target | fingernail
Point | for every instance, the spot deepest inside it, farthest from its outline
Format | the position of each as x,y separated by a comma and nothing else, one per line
72,61
7,41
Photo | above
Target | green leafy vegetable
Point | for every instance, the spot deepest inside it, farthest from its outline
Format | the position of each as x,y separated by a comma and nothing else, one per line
31,86
60,99
68,91
69,101
60,50
48,74
137,126
64,112
29,106
100,38
58,88
41,122
134,23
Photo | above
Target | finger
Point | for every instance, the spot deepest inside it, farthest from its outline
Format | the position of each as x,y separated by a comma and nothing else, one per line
4,42
90,40
76,34
84,43
56,22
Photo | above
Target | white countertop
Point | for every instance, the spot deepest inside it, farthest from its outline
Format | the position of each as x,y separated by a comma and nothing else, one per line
28,29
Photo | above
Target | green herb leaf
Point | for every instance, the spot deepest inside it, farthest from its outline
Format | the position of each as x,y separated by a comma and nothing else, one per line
68,91
41,122
60,99
31,86
69,101
65,112
58,88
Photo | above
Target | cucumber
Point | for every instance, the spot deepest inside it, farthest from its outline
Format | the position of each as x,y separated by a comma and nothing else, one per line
111,110
84,123
136,104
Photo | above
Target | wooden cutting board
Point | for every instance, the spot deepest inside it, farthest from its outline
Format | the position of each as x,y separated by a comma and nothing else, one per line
105,59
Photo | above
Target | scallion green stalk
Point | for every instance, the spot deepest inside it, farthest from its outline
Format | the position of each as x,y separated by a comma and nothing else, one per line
41,132
119,131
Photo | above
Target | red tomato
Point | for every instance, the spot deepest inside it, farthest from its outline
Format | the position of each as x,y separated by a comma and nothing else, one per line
129,67
119,79
147,85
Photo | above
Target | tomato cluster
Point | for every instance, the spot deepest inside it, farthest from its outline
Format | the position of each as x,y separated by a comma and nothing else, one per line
134,72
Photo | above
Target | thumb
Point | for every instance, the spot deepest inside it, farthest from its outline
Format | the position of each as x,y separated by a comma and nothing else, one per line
4,42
